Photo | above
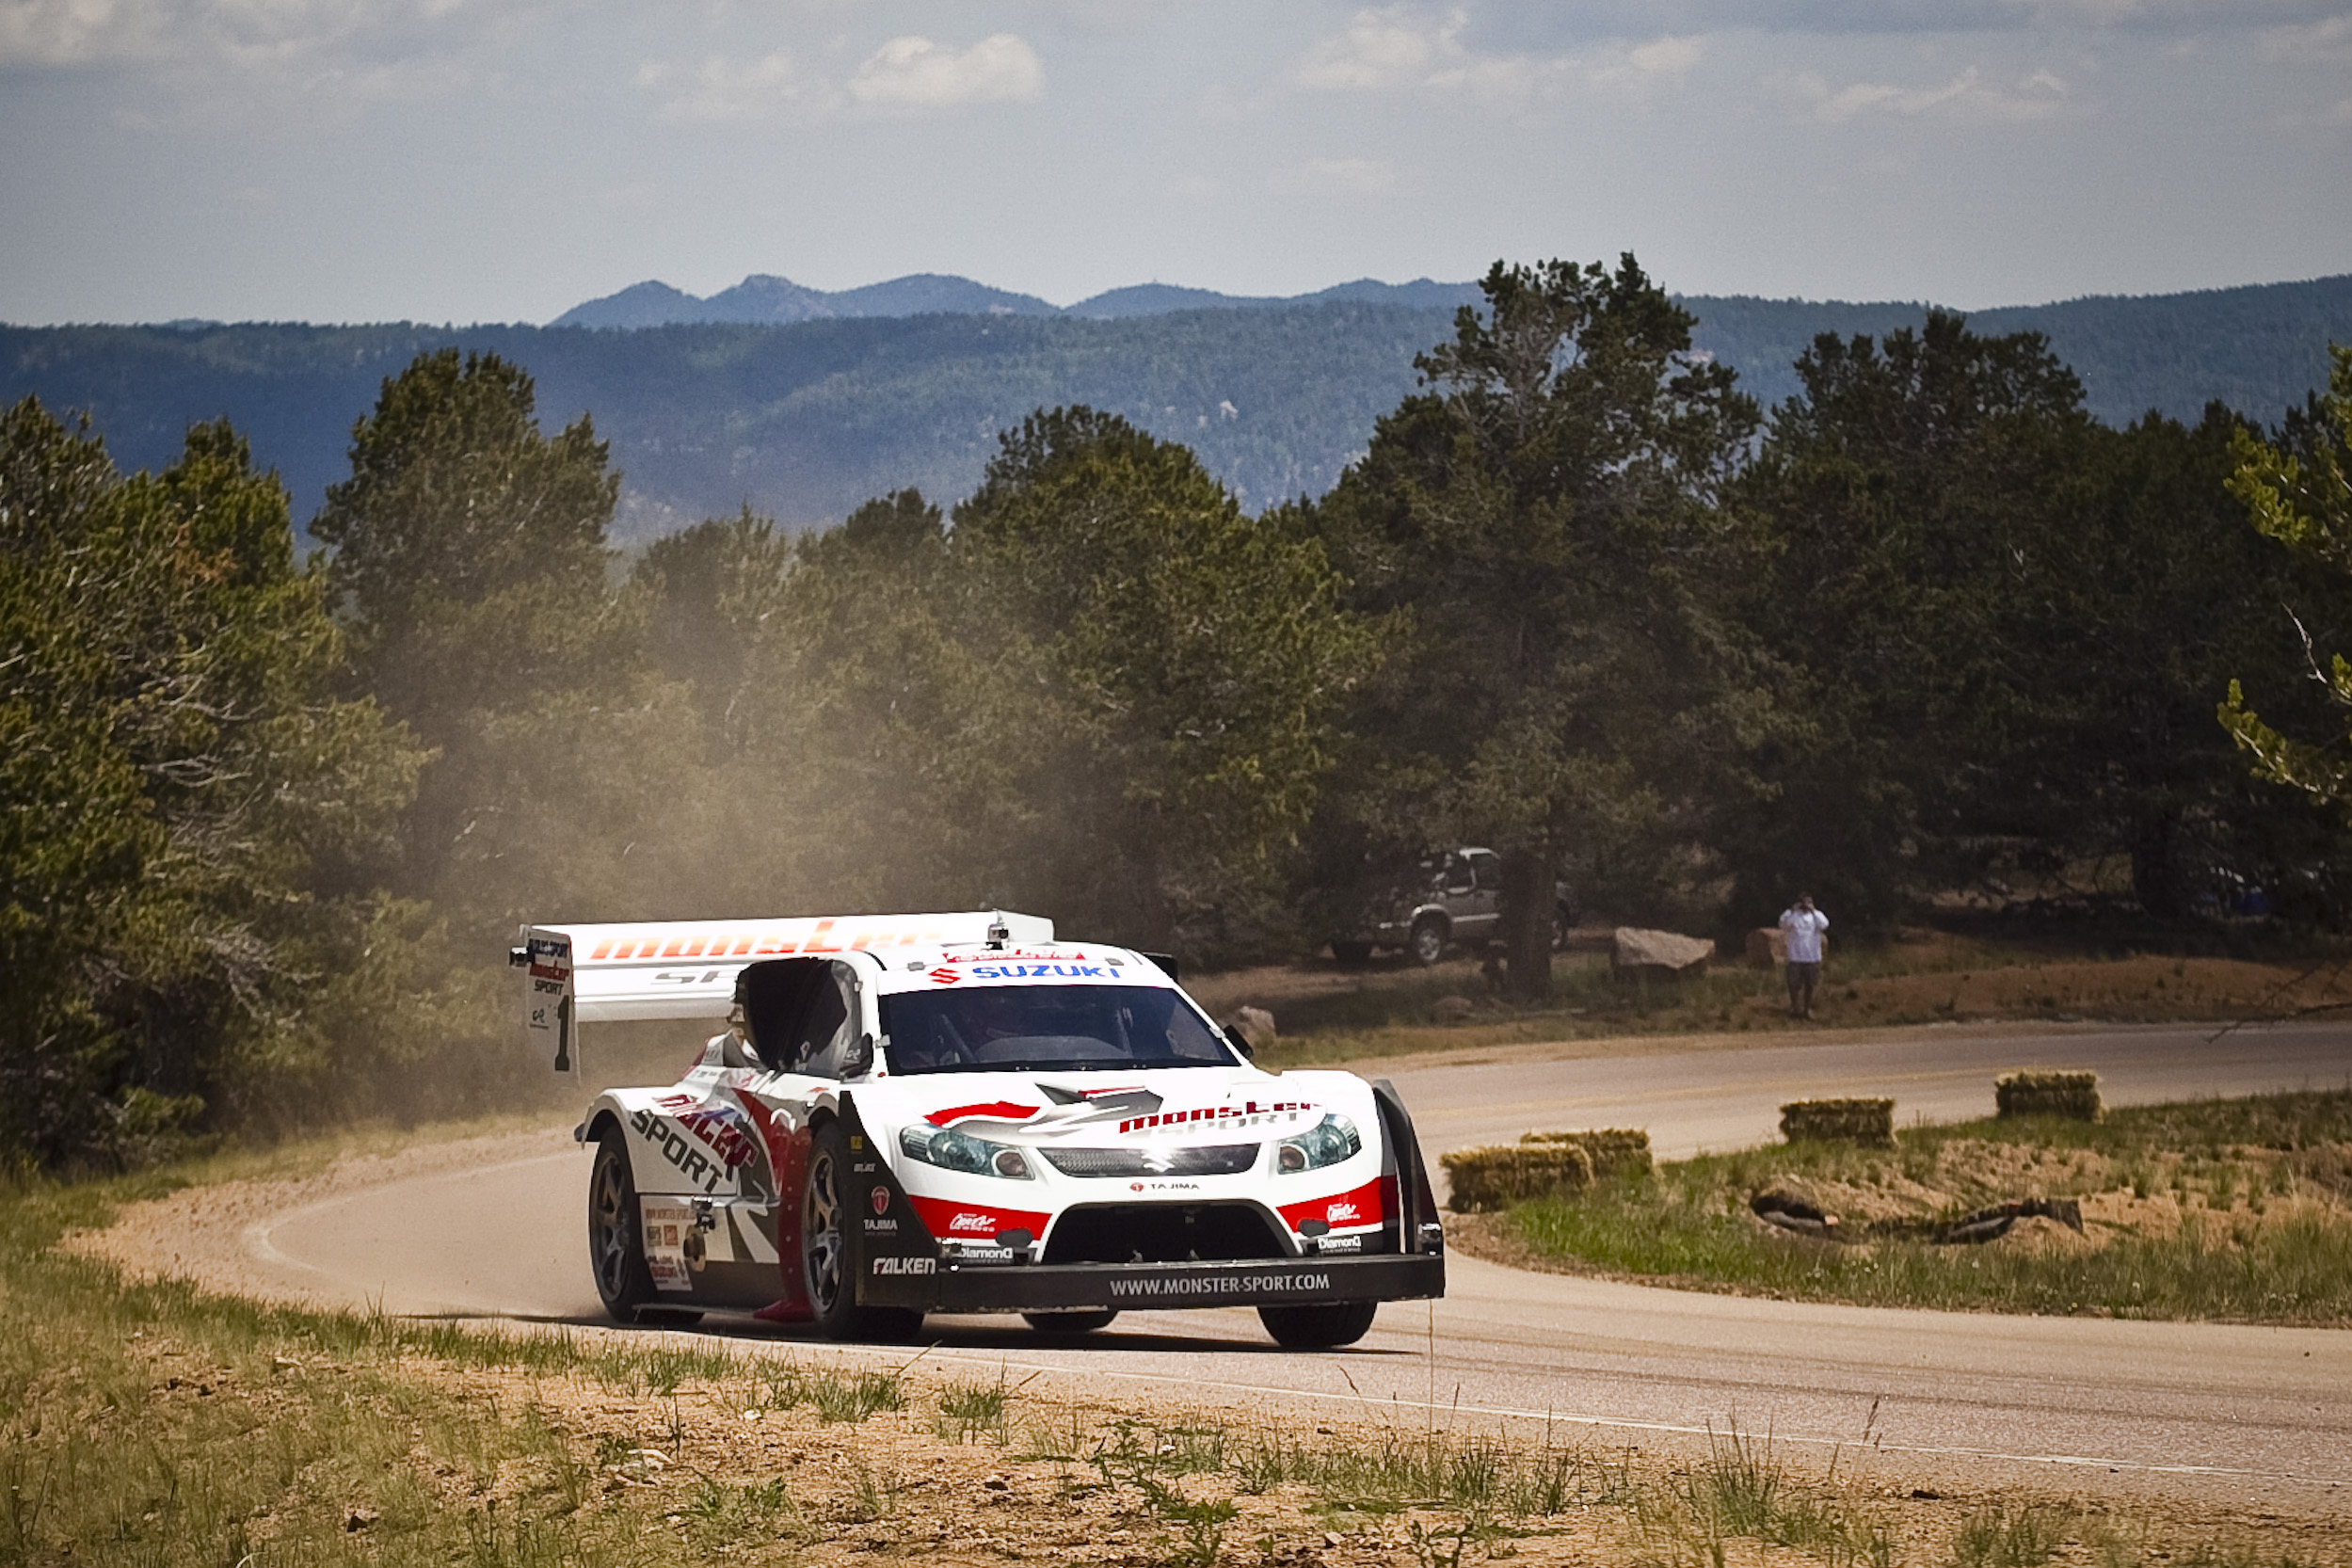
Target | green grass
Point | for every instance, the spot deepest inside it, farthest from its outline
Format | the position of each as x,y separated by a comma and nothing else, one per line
1687,1221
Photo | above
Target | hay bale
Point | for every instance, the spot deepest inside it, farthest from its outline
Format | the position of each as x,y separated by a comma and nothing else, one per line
1867,1121
1613,1150
2039,1093
1496,1176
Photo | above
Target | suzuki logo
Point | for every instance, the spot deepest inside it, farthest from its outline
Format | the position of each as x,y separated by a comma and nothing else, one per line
880,1198
945,976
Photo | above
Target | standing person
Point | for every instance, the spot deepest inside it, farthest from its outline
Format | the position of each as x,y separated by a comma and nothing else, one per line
1801,925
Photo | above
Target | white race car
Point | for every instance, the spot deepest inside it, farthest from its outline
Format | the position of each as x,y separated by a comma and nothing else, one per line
921,1113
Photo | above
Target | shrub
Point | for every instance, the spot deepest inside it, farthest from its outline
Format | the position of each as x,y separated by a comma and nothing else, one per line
1614,1150
2034,1093
1493,1177
1867,1121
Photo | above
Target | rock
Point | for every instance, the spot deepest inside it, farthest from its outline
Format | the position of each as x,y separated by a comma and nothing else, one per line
1451,1010
1767,948
1636,949
1254,1025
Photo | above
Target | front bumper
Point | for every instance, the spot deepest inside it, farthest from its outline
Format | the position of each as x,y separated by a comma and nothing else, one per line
897,1262
1136,1287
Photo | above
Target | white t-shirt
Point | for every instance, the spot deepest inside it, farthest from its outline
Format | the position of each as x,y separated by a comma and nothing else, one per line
1804,928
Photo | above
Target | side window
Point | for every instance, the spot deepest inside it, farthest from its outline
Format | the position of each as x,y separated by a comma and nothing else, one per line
1488,869
829,1027
1458,878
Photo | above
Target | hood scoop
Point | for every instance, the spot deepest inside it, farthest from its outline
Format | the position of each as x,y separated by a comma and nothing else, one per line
1104,1104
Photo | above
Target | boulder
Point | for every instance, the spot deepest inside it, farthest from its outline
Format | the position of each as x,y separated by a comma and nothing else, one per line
1451,1010
1254,1025
1767,948
1636,949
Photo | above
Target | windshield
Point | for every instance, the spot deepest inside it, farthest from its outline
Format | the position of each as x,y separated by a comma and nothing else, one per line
995,1029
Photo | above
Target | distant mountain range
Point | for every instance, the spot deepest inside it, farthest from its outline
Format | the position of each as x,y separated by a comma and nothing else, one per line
766,299
804,419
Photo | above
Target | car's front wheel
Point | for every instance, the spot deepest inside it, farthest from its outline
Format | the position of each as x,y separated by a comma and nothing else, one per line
1428,943
1322,1327
826,1258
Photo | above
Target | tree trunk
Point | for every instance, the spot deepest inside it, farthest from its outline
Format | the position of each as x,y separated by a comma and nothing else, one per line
1528,877
2156,869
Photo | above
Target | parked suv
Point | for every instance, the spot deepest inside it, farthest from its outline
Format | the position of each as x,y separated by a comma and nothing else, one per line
1458,900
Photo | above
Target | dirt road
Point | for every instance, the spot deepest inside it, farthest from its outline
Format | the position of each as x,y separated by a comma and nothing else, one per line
2255,1417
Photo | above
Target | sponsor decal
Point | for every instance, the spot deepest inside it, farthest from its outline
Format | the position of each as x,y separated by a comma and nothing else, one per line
669,1240
999,955
1221,1117
691,1163
944,1217
881,1227
1228,1287
880,1198
1339,1243
995,1110
1362,1207
945,976
906,1265
1043,971
727,1130
1164,1187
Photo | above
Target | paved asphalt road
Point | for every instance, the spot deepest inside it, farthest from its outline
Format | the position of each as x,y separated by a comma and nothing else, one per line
2254,1413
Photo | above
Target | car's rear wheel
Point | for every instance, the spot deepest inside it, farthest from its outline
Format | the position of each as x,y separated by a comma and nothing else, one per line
615,1252
1069,1322
826,1258
1428,943
1322,1327
1351,953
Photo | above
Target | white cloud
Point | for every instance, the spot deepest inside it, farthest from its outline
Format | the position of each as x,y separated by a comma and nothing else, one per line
66,32
1400,48
2325,40
915,73
2038,96
1380,49
719,90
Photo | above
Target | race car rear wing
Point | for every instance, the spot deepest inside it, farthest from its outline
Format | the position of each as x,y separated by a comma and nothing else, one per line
576,974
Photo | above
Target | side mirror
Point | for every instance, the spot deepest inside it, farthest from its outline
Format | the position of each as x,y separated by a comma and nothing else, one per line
858,1060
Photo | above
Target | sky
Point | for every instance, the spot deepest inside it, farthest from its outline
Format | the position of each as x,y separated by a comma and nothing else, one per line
502,160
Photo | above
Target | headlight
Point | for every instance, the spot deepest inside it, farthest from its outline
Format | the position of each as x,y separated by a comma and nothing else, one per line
951,1150
1327,1142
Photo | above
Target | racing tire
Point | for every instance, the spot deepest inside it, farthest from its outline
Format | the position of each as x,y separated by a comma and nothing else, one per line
616,1253
1323,1327
1070,1323
1428,942
1352,954
827,1257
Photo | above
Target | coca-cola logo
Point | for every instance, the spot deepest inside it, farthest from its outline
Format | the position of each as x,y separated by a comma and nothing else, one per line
972,1221
1339,1213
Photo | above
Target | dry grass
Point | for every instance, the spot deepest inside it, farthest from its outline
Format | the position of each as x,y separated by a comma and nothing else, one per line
2228,1209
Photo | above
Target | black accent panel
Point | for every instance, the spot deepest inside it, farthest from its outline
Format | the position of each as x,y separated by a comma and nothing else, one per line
1414,1225
1163,1233
1212,1159
892,1254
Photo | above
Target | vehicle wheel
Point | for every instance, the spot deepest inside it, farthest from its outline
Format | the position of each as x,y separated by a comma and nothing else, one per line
1069,1322
1428,941
825,1251
622,1282
1351,953
1319,1328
